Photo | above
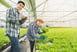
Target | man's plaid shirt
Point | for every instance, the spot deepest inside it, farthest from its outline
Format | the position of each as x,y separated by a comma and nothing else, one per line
13,22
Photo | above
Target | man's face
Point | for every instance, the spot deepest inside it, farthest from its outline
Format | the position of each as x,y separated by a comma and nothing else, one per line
38,23
20,6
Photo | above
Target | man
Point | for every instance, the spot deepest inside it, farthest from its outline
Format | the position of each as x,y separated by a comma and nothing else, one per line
33,29
13,21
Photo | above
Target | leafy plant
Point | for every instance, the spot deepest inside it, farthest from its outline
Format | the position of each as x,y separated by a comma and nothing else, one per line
58,40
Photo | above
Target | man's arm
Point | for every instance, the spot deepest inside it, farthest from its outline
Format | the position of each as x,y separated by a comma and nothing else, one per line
23,20
12,17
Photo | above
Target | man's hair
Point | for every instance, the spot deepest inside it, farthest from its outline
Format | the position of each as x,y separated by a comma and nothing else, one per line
21,2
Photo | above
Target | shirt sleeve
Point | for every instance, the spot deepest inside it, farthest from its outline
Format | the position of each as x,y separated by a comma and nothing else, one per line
39,32
26,14
33,31
22,21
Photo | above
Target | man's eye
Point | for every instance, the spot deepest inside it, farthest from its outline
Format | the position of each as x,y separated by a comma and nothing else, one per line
21,5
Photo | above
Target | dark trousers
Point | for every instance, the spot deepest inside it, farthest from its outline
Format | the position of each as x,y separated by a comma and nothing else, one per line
32,45
15,45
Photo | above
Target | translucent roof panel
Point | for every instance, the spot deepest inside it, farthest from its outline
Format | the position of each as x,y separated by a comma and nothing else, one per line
58,12
56,8
54,12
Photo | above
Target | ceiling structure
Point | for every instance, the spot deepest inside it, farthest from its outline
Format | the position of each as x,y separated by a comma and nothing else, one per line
54,12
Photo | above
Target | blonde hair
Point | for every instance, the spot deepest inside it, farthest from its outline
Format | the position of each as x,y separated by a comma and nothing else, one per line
40,20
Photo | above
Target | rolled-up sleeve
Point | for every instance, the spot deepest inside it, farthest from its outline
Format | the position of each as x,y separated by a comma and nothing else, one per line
22,21
39,32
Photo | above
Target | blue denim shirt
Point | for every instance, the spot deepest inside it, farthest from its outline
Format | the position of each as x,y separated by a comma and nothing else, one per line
32,31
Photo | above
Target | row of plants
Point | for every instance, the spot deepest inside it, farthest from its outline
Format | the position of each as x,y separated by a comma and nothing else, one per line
5,40
58,39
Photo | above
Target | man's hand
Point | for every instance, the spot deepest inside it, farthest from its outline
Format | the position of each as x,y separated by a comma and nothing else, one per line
23,17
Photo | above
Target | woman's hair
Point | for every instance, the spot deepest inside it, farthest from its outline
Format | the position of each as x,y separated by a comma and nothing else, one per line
40,20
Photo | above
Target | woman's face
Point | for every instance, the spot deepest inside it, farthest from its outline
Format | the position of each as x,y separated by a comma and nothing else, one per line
20,6
38,23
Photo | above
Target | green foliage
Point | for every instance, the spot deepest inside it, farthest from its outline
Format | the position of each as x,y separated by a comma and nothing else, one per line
58,40
4,39
3,2
22,31
44,29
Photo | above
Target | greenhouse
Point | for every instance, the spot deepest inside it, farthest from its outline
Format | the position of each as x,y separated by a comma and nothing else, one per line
38,25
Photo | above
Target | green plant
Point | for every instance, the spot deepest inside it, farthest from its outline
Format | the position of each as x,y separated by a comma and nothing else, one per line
4,39
58,40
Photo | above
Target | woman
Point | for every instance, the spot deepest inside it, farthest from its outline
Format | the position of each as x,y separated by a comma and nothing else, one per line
33,29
